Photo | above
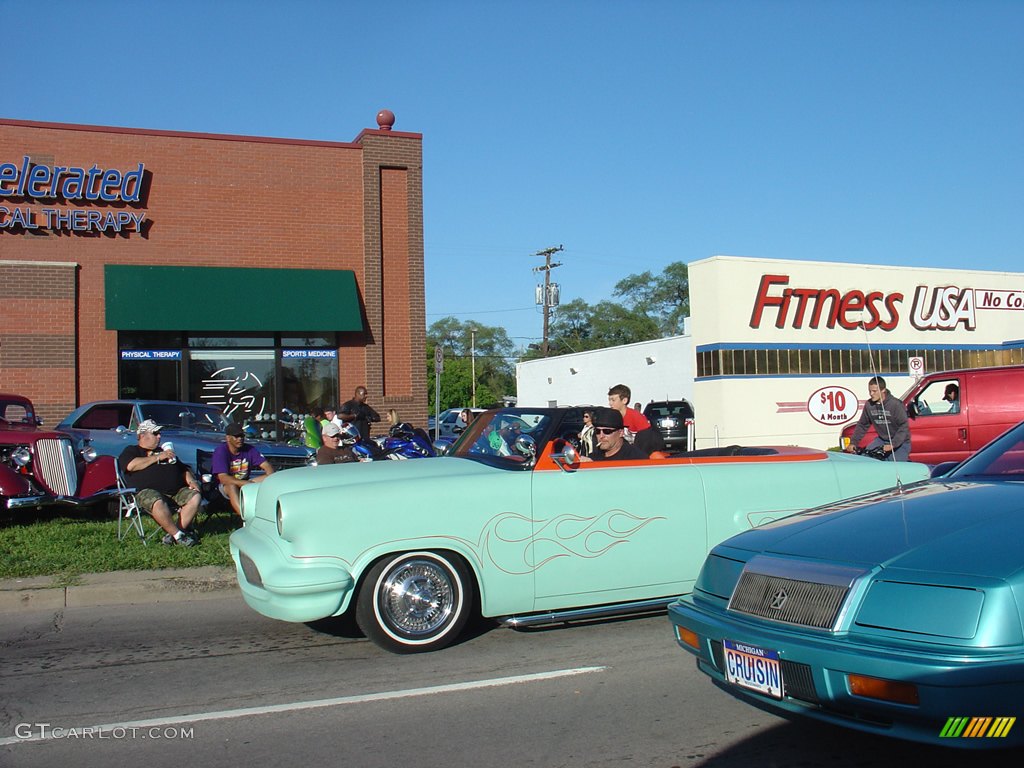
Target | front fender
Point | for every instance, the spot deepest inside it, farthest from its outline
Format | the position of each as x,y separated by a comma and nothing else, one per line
12,483
99,475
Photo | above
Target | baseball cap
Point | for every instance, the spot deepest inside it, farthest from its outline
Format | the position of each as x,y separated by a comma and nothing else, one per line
235,430
148,426
331,430
607,417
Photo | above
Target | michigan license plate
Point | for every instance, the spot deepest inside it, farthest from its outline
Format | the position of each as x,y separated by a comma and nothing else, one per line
756,669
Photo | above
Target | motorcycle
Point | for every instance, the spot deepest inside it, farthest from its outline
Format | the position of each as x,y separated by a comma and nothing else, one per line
402,442
405,442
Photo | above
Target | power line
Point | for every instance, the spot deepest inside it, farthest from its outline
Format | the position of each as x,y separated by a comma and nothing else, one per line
482,311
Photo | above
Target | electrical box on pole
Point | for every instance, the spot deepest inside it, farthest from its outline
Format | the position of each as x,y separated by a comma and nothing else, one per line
547,294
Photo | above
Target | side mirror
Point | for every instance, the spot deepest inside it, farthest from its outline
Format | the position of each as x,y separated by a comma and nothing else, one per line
565,455
525,446
912,409
943,469
122,429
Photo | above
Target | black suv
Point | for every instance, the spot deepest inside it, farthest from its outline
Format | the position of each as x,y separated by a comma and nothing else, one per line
670,417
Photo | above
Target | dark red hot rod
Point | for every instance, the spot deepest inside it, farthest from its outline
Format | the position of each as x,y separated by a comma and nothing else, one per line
40,468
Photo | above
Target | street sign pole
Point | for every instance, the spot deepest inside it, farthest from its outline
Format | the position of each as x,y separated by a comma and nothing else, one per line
438,367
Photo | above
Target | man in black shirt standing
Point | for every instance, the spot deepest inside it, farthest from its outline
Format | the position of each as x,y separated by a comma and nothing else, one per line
357,413
160,480
611,442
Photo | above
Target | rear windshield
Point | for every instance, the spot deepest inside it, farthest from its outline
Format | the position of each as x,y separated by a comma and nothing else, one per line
677,410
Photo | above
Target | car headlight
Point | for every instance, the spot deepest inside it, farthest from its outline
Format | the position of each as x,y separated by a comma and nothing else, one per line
922,609
89,453
21,456
719,576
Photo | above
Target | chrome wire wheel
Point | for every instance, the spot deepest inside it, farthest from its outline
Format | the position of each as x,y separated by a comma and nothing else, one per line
416,601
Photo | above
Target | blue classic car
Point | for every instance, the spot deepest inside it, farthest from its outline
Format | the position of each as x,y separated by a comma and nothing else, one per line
195,429
898,613
511,524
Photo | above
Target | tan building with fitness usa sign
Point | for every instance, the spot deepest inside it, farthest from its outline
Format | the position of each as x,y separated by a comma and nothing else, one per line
784,349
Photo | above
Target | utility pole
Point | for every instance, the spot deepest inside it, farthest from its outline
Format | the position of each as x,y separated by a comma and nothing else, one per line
548,295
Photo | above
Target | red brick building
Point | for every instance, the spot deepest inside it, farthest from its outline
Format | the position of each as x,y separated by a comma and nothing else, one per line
256,273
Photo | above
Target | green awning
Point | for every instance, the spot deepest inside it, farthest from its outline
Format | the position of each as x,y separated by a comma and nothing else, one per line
143,298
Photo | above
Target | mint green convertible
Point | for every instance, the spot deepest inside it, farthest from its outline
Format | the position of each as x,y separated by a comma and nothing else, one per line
510,524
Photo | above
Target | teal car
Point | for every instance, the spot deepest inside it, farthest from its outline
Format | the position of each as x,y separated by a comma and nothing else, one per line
899,613
512,525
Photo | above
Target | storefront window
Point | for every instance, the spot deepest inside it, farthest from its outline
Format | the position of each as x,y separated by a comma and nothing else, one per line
309,378
223,342
313,340
150,378
239,382
251,377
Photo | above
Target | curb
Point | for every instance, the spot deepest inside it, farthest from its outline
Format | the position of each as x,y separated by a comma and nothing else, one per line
118,588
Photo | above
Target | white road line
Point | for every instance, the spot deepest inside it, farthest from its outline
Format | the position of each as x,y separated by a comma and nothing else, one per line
227,714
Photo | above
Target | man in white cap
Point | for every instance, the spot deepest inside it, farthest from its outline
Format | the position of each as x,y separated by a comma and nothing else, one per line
162,482
337,447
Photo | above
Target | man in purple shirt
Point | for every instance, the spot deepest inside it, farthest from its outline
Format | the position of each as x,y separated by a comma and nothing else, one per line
233,463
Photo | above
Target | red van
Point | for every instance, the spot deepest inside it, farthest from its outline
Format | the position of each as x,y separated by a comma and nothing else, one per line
954,413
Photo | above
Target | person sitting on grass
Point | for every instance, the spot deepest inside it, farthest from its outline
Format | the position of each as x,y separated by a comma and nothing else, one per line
162,482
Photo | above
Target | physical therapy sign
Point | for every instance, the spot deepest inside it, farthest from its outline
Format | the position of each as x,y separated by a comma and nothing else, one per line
25,184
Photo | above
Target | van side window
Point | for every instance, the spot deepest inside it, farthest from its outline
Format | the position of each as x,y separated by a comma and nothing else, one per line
939,398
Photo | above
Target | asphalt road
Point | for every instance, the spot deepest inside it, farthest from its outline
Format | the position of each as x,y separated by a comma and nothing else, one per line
211,683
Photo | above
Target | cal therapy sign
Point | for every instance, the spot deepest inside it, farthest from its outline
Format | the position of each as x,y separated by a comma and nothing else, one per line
24,185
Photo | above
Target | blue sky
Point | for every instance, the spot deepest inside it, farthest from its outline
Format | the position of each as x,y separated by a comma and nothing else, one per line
634,133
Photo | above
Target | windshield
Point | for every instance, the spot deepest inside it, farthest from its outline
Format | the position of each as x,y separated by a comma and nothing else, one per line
198,418
1002,458
492,437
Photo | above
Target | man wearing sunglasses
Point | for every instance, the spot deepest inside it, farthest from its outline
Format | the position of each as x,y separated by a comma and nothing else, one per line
233,463
611,442
162,483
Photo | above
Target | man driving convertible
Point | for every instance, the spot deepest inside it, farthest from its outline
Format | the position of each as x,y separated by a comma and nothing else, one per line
611,442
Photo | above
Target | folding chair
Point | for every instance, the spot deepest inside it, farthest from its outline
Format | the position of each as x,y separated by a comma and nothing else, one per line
129,516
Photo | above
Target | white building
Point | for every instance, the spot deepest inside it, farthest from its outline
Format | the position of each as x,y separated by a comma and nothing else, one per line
780,352
662,369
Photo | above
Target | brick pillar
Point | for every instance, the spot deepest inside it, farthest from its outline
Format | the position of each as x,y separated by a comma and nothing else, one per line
38,355
393,276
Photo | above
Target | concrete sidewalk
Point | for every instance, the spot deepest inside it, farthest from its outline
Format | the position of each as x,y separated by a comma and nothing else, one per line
117,588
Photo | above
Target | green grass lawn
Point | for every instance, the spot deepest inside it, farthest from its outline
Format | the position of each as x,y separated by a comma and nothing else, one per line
64,545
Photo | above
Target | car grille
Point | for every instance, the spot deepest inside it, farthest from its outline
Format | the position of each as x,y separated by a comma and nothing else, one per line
287,461
797,680
54,466
806,603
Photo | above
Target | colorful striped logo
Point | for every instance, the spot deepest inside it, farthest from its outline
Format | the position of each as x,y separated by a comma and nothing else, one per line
977,727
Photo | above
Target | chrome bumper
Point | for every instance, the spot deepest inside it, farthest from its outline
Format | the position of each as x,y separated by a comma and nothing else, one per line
38,501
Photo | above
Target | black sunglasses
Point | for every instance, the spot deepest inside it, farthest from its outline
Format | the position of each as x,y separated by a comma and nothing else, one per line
605,430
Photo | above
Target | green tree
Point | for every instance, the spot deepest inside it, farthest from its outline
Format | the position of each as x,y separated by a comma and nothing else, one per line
577,326
666,298
467,345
